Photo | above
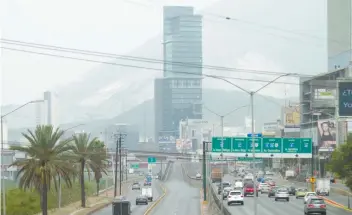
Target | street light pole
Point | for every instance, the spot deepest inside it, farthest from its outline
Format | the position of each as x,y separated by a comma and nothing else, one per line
3,188
222,166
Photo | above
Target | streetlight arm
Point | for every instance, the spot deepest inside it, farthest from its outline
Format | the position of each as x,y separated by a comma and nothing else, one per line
16,109
211,111
272,82
235,110
223,79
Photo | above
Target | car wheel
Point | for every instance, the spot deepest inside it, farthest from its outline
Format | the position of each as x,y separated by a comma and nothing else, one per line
228,204
296,197
288,199
275,199
242,203
136,203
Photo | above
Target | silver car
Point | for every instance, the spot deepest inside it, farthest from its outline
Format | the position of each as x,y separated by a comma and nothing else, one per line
282,193
315,205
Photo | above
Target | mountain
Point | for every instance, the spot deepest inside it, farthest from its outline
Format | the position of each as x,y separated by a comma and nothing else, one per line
266,109
111,90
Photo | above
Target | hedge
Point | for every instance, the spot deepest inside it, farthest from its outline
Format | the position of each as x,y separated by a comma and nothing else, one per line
20,202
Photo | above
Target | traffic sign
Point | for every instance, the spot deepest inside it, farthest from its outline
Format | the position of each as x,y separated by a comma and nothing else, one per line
135,166
249,159
239,144
151,160
255,135
312,180
216,144
271,145
257,142
265,147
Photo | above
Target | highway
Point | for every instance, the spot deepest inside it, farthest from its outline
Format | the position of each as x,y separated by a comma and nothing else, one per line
268,206
333,196
181,198
132,194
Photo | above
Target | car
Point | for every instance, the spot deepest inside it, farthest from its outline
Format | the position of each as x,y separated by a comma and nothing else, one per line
301,192
141,200
224,184
235,196
198,176
264,188
282,193
292,190
309,195
272,191
269,173
226,192
315,205
136,186
248,189
271,183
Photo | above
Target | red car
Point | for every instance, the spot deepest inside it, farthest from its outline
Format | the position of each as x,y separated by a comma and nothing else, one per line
248,189
271,183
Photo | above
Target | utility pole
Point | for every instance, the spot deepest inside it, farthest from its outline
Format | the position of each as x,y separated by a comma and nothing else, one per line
116,154
222,165
126,167
120,140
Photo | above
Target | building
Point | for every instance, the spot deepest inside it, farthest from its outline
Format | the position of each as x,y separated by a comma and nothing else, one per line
193,132
47,111
178,95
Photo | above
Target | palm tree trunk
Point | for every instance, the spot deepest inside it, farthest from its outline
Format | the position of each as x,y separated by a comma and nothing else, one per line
44,194
83,193
98,187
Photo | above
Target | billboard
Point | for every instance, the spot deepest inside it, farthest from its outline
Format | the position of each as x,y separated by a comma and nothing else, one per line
167,137
292,117
326,135
345,99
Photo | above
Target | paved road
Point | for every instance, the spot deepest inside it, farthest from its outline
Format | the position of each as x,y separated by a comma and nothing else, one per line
333,196
132,194
268,206
181,198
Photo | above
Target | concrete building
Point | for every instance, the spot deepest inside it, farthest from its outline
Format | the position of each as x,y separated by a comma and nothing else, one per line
178,95
47,111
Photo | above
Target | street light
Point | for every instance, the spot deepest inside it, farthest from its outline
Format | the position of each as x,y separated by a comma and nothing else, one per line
251,93
222,144
2,147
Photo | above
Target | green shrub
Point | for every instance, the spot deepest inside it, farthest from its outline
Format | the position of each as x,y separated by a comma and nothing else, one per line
19,202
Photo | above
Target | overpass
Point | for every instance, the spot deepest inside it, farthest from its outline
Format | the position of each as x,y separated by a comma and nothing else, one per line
150,153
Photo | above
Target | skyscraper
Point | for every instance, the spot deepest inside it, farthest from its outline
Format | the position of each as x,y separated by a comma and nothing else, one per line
178,95
46,112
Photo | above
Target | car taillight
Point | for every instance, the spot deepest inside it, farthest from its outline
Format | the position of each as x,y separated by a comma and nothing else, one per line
311,206
322,206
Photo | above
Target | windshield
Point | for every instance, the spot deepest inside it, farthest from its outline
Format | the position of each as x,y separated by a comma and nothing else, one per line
317,201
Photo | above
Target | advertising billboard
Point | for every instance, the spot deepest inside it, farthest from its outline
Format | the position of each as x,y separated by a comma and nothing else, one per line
345,99
326,135
292,117
167,137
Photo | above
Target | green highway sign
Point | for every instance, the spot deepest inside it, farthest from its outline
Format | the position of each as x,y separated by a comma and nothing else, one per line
257,142
239,144
249,159
264,146
217,142
151,160
135,166
271,145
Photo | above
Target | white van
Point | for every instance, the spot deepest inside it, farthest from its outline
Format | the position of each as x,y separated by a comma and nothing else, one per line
238,184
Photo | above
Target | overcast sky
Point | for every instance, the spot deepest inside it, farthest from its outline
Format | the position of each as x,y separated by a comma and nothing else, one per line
114,26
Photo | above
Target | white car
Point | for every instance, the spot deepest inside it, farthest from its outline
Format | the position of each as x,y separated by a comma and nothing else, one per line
282,193
235,196
198,176
264,188
308,195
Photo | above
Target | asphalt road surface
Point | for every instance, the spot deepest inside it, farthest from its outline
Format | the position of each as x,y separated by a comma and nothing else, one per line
333,196
132,194
181,198
268,206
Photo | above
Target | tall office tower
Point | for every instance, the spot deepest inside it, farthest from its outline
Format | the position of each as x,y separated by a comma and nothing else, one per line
178,95
339,29
46,112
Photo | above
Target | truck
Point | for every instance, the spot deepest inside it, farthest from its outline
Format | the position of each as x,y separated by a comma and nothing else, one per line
323,186
216,175
289,174
148,192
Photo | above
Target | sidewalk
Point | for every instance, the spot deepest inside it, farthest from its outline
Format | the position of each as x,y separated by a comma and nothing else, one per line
205,208
93,203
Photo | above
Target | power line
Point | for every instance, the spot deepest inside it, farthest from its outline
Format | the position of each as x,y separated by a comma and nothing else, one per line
155,69
133,58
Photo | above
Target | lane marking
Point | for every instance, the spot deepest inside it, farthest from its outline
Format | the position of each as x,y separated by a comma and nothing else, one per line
157,201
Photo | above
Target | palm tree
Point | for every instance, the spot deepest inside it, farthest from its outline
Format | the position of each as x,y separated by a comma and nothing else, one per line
101,162
87,157
46,159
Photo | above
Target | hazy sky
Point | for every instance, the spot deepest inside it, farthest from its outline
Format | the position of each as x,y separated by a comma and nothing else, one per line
113,26
106,25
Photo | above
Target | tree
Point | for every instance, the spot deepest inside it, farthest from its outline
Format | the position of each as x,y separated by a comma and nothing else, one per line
87,156
101,162
341,162
46,159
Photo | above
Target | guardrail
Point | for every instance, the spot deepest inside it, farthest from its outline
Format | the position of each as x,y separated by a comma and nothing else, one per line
167,170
